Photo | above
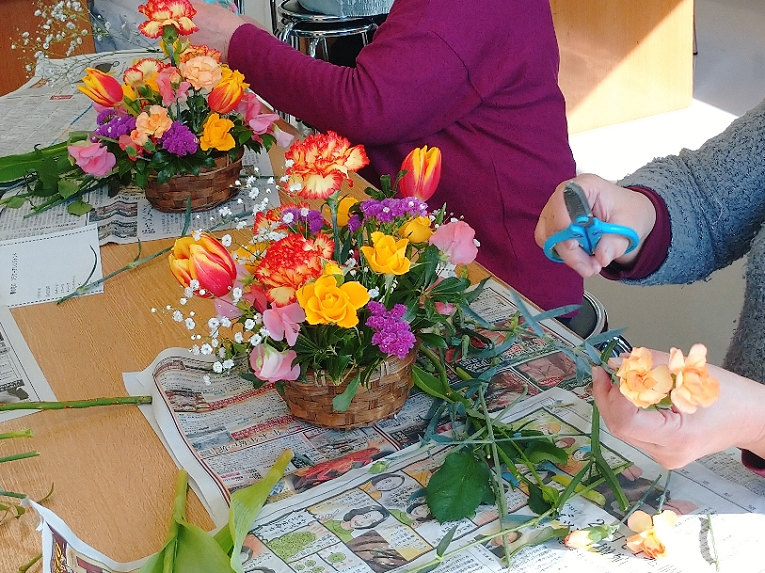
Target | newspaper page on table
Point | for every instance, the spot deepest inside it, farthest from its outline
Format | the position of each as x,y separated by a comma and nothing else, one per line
373,519
21,379
48,107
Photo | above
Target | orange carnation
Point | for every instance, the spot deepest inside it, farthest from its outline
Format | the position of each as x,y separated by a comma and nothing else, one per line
161,13
694,386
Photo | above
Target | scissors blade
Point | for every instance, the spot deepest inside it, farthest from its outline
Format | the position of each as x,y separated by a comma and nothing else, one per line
581,215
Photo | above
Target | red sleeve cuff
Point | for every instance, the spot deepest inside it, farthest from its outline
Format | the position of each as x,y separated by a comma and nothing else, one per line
753,462
655,247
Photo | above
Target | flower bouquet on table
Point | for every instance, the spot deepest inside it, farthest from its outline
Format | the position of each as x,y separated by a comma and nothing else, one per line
330,303
176,125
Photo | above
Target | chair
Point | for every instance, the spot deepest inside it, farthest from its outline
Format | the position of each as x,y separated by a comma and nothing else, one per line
592,319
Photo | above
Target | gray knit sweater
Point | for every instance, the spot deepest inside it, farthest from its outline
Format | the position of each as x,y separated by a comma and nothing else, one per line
716,202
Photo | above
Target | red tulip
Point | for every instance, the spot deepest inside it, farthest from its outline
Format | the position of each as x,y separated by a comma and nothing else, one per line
227,94
204,260
102,88
423,171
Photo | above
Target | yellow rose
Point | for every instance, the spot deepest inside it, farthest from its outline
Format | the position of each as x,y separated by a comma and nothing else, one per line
202,72
215,134
387,255
326,303
417,230
343,209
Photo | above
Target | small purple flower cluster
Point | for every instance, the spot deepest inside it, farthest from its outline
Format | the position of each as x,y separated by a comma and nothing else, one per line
388,210
179,140
114,125
392,334
312,217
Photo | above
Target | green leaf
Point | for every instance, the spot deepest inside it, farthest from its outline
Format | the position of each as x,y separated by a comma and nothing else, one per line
428,383
16,202
246,505
443,545
250,377
67,188
537,502
79,207
342,402
432,340
539,451
458,487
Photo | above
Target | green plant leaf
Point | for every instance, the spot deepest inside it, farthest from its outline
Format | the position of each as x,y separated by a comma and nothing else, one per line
428,383
250,377
67,188
342,402
79,207
458,487
537,502
16,202
443,545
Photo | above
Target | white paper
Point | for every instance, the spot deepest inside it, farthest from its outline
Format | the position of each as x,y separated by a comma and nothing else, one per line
47,267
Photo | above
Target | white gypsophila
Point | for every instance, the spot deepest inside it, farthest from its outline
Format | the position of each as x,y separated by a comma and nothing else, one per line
239,201
190,324
254,193
351,262
258,318
453,220
264,332
241,225
374,292
352,272
225,321
214,342
270,181
226,240
236,293
249,324
217,367
288,218
284,178
213,323
228,364
202,292
153,310
178,316
288,163
183,300
238,337
194,285
195,350
207,379
304,211
476,242
222,352
256,339
225,211
197,234
168,307
295,187
188,292
206,349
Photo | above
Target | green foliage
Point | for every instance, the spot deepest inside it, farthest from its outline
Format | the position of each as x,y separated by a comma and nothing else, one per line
457,488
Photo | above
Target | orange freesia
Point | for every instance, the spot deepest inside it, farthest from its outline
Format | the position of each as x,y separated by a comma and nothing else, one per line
102,88
205,260
640,384
651,533
161,13
387,255
227,94
216,134
423,172
326,302
320,163
694,386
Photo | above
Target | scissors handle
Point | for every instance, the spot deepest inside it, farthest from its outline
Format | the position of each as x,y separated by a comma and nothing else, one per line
589,237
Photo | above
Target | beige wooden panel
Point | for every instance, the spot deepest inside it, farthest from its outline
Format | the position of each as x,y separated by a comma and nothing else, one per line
623,59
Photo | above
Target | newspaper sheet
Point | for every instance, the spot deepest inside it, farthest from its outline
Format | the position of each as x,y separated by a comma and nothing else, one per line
373,519
21,379
47,108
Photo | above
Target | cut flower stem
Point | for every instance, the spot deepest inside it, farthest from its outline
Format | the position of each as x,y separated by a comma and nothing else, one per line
138,400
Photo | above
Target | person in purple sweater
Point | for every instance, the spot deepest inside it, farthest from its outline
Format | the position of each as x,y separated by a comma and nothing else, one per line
475,78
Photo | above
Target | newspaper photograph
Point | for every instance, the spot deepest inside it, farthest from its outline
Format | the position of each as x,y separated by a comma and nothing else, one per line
373,520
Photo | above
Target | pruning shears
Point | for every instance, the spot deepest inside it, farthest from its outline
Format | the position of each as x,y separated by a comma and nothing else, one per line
585,227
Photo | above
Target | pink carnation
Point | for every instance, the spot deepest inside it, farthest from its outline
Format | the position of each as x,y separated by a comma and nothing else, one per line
456,241
93,158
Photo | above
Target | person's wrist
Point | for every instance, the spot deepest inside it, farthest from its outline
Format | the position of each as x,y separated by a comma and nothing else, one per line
641,206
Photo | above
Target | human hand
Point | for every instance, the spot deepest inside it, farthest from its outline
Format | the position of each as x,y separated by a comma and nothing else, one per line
216,26
611,204
675,439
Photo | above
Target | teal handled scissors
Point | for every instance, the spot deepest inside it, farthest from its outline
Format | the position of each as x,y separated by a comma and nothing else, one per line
585,227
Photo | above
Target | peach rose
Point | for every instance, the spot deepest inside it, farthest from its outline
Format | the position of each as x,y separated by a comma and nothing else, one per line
639,383
651,533
694,386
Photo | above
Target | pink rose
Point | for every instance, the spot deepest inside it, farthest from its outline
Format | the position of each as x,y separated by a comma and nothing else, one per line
455,240
251,108
270,365
93,158
283,322
165,80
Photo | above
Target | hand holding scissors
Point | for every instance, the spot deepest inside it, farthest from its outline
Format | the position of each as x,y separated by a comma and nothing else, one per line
585,227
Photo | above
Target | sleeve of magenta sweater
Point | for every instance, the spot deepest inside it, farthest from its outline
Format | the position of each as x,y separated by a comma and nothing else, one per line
407,83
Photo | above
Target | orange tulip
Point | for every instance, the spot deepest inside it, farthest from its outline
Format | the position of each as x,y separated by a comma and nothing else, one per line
204,260
102,88
423,171
227,94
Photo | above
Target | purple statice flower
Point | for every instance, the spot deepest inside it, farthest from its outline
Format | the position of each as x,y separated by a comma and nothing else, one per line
354,223
115,127
179,140
297,215
392,334
105,116
390,209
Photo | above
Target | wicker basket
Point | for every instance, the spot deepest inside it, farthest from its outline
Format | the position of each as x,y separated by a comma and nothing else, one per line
383,397
207,190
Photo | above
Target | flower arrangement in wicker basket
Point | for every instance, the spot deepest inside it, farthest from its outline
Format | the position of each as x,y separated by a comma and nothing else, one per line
330,304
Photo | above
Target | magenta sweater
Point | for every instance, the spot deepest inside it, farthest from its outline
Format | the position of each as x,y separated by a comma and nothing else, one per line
476,78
